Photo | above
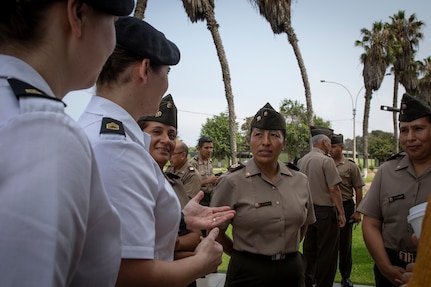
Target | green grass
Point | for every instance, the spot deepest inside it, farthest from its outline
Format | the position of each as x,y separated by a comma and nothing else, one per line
362,270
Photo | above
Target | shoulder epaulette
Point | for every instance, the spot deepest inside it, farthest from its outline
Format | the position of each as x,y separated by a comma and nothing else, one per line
352,160
23,89
195,157
112,126
172,175
395,156
235,167
292,166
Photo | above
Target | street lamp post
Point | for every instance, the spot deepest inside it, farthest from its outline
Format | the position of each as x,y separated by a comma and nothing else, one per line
354,104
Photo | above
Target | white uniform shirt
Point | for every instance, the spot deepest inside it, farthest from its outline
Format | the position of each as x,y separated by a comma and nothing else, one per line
148,207
57,227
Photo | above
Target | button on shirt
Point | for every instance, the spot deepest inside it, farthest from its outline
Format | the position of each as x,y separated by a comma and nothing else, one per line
57,227
148,207
268,216
394,190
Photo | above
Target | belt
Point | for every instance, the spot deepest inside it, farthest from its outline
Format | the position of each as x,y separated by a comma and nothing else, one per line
404,256
278,256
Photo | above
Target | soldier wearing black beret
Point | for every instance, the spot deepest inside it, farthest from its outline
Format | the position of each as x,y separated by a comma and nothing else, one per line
58,227
131,85
399,184
273,209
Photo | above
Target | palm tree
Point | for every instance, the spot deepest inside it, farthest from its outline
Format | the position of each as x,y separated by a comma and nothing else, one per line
140,7
375,63
277,13
424,68
404,38
200,10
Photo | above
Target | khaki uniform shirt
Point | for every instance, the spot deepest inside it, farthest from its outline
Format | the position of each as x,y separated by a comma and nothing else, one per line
268,216
190,178
351,177
205,170
394,190
178,187
322,173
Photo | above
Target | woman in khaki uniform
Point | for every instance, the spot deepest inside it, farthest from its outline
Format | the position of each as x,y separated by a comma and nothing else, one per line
273,208
163,131
399,184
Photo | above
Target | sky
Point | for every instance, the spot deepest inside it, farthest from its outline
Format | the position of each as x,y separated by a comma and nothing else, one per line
263,67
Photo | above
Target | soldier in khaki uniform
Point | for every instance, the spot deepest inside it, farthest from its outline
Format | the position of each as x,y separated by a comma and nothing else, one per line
203,164
322,238
163,130
351,185
181,167
273,209
399,184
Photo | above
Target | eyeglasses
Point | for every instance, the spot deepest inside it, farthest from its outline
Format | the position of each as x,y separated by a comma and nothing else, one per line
177,152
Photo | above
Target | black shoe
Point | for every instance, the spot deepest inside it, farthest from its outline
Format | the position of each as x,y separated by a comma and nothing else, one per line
346,283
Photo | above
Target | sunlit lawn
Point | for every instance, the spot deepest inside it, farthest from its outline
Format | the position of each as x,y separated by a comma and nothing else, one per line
362,271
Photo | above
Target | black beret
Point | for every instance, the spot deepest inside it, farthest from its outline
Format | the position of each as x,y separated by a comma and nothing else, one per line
268,119
337,139
142,39
413,109
314,130
113,7
167,113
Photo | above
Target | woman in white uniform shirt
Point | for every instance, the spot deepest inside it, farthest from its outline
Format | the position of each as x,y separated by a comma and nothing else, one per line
130,85
57,227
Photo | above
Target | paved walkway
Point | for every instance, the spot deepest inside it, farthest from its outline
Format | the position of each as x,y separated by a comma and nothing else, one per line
217,280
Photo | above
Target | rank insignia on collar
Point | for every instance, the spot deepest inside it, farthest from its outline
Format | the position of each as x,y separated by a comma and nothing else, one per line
112,126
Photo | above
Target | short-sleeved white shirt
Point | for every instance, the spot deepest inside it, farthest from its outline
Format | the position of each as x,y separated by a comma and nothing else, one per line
148,207
57,226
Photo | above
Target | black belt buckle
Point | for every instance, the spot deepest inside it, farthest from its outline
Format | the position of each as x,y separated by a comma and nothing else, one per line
407,257
278,256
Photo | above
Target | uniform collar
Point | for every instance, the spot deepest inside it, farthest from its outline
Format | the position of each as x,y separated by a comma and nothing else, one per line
107,108
12,67
342,159
315,149
251,168
403,163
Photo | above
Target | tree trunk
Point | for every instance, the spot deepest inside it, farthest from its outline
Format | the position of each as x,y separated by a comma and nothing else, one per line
368,95
213,27
291,37
141,5
394,115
